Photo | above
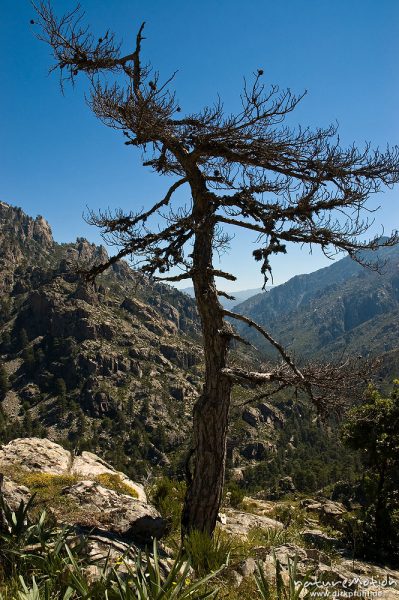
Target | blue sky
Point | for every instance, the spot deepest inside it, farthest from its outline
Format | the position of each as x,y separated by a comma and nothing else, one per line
56,158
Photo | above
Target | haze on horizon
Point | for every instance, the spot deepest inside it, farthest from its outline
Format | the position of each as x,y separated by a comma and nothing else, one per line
57,158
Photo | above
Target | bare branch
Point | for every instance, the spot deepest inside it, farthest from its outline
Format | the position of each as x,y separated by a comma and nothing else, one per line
269,338
175,277
218,273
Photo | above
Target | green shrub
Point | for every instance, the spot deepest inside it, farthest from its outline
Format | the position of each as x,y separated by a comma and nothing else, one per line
167,496
294,589
47,486
207,554
146,581
236,494
289,515
41,562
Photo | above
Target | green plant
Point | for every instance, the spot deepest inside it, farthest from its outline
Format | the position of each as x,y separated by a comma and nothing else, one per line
207,554
34,593
41,562
289,515
268,538
236,494
292,590
296,584
146,582
263,585
167,496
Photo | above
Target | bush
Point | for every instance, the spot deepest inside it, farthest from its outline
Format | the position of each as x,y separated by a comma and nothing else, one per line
207,554
235,494
146,580
268,538
293,589
167,496
47,485
289,515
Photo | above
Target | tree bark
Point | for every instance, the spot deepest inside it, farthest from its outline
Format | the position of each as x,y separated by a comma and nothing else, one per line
210,415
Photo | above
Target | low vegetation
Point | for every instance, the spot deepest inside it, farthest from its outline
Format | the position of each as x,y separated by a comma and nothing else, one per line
41,562
114,482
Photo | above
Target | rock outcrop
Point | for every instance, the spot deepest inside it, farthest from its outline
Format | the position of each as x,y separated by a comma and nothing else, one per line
127,515
116,513
240,523
35,454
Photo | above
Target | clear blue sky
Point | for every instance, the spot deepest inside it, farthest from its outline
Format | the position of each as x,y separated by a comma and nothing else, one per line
56,158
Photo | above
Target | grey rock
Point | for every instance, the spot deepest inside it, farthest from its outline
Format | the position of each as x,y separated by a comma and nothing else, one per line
247,567
116,513
286,484
240,523
329,512
319,539
251,416
36,454
14,494
236,578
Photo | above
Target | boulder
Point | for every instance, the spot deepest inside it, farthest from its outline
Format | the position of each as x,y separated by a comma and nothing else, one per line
271,414
237,474
332,513
36,454
329,512
116,513
251,416
289,551
240,523
351,578
236,579
318,538
91,465
14,494
286,485
247,567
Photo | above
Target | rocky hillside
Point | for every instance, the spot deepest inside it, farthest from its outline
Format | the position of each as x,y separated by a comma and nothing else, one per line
112,368
115,369
87,363
341,309
236,296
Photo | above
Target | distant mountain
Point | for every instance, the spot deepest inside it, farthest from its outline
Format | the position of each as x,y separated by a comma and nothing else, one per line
343,308
239,296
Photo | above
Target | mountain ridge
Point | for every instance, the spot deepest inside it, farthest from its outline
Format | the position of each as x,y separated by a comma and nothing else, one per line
318,314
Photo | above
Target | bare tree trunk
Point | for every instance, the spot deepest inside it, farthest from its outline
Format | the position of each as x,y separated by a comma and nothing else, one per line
210,416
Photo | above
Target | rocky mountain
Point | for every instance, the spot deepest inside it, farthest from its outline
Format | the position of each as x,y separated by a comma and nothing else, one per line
342,309
86,362
114,367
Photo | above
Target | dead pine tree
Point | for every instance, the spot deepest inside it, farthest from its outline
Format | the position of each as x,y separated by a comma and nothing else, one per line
248,171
